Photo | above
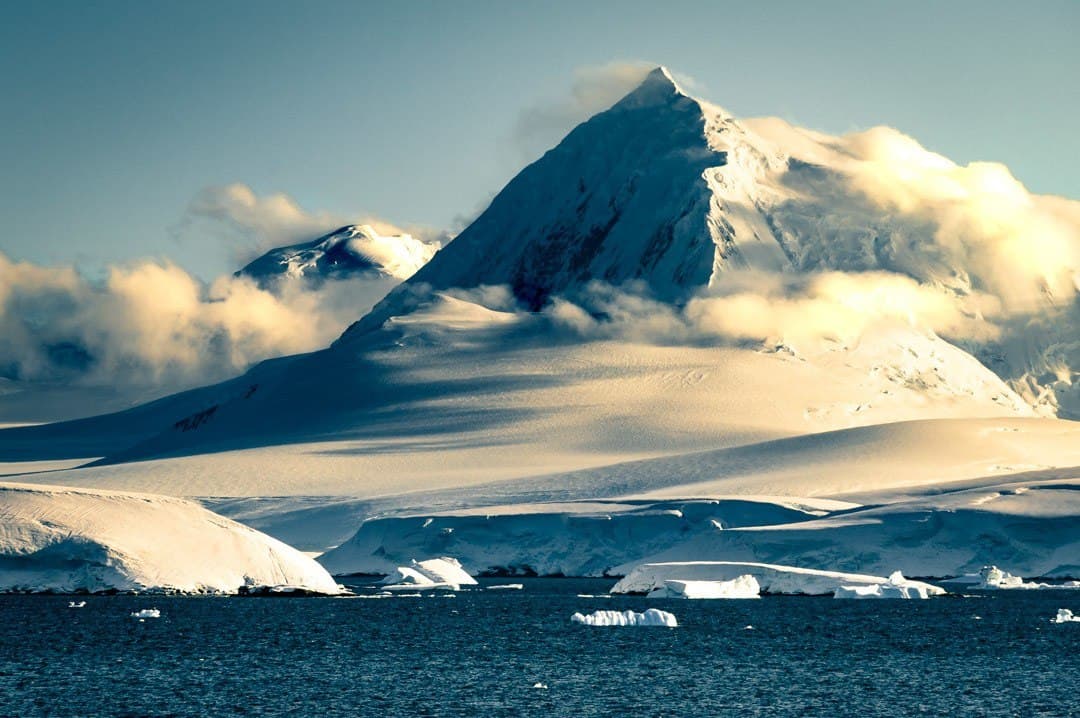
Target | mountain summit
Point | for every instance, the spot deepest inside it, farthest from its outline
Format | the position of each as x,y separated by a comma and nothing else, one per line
677,196
659,188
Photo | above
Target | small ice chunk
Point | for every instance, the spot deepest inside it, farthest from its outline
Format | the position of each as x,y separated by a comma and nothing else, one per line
541,686
147,613
651,617
74,604
1064,615
507,587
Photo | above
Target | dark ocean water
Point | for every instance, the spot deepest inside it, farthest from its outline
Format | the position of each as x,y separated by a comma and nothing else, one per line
480,653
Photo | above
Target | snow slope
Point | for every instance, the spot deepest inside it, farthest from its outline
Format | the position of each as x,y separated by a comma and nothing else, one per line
58,539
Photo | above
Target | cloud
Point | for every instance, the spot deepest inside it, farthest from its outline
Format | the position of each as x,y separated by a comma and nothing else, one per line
1023,246
879,197
153,324
772,308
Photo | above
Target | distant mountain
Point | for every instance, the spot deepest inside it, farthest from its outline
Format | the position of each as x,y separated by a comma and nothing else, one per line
349,252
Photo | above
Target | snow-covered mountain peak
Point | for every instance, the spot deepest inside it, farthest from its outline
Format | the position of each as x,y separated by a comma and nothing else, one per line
678,197
657,88
349,250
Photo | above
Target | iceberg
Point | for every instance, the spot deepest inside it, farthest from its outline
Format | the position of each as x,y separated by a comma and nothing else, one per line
435,573
771,578
1064,615
896,587
147,613
745,586
992,578
651,617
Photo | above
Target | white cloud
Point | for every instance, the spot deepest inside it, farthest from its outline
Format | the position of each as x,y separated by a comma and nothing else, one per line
771,308
152,324
1024,247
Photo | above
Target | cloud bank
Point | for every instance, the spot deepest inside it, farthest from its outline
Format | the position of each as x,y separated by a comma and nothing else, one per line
153,324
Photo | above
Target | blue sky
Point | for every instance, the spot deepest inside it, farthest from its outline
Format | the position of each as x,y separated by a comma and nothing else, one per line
117,114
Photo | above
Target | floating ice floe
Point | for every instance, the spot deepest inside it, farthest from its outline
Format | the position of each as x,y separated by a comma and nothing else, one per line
745,586
539,685
651,617
1064,615
76,604
435,573
507,587
771,578
147,613
896,587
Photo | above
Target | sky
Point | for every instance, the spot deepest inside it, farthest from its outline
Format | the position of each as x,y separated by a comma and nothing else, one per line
118,116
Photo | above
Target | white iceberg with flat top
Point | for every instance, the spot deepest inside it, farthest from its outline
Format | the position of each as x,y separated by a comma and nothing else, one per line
64,540
745,586
771,578
651,617
896,587
433,573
